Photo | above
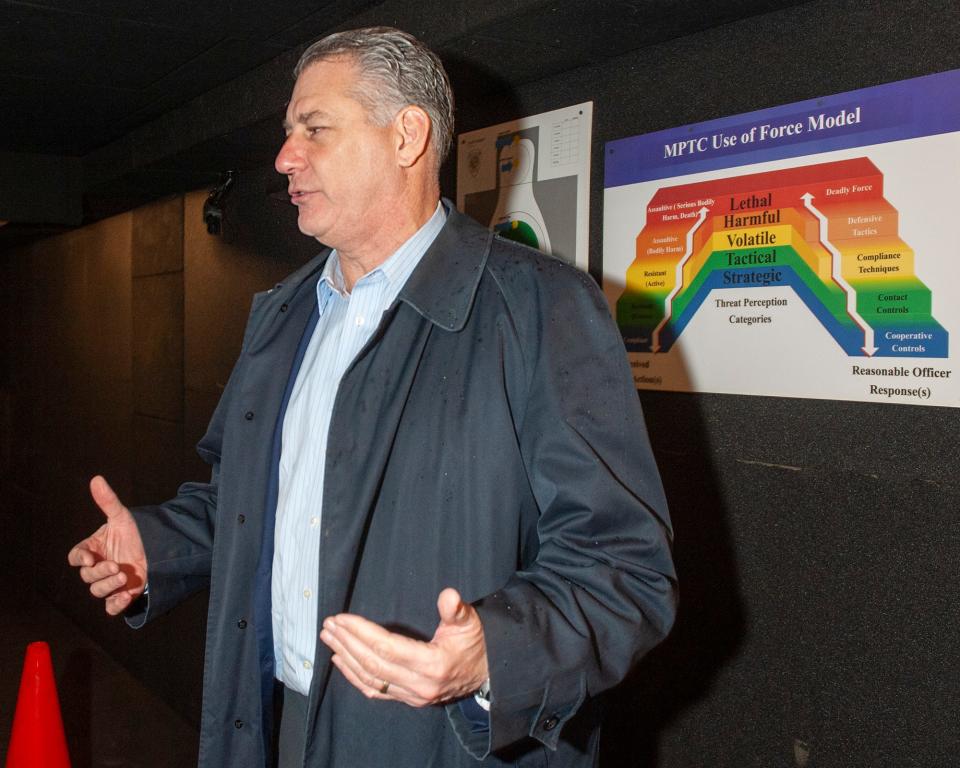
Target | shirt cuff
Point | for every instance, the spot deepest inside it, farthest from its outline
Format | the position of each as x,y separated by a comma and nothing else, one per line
475,714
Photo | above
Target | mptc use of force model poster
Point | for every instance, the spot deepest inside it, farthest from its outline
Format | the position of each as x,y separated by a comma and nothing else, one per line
809,250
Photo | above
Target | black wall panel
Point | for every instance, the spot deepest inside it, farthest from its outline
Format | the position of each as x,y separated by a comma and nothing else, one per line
817,541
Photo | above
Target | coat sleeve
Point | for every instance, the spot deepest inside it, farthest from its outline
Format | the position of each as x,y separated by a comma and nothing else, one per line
178,534
601,591
178,538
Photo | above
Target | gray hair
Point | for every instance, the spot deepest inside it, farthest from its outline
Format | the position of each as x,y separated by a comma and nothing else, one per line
396,70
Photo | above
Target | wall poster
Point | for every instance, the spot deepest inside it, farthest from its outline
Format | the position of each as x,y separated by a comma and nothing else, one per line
808,250
529,180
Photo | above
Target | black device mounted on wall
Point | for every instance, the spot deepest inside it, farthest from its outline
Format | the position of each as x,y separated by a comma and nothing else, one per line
213,207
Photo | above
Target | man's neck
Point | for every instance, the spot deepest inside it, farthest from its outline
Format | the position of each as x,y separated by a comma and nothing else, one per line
407,217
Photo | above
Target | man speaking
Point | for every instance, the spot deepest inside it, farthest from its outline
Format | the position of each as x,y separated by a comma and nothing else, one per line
433,526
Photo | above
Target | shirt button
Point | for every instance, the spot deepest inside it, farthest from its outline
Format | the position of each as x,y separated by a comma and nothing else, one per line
241,519
248,415
283,307
307,593
307,664
242,623
314,521
359,320
238,724
550,723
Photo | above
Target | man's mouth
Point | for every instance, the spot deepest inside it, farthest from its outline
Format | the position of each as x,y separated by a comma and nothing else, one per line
297,195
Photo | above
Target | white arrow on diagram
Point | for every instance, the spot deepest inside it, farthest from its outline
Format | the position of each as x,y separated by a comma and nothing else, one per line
678,280
851,296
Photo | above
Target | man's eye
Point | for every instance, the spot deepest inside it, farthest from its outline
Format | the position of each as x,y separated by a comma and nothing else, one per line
313,130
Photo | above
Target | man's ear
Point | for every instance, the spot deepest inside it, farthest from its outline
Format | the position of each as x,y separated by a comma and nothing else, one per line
412,125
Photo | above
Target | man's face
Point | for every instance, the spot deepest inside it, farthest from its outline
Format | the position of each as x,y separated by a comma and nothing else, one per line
340,166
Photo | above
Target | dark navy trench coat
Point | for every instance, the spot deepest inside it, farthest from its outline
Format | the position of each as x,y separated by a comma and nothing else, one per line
488,437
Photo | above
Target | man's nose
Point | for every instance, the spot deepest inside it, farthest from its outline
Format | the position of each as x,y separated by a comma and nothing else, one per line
289,158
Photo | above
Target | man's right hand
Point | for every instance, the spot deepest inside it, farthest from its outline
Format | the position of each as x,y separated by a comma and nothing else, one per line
112,561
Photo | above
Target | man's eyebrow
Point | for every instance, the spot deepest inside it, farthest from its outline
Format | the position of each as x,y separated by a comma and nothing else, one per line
306,117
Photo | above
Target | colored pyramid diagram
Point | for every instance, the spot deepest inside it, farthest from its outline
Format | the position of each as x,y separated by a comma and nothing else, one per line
824,230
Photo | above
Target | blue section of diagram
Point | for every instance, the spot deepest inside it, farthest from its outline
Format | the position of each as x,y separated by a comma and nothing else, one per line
848,336
890,342
902,342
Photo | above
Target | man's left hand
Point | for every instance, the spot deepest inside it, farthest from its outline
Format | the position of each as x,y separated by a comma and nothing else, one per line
386,665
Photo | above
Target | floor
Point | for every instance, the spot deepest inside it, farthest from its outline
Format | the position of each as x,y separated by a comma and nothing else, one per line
110,719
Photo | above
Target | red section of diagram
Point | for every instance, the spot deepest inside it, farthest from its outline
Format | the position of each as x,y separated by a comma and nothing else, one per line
843,180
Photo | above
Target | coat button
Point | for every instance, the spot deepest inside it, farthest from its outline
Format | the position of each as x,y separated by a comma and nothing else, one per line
248,415
550,723
283,307
242,623
241,519
238,724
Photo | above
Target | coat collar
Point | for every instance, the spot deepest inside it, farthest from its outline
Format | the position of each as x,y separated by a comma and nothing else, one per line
291,284
270,308
444,285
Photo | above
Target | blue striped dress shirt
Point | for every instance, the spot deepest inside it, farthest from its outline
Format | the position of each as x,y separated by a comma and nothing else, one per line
346,322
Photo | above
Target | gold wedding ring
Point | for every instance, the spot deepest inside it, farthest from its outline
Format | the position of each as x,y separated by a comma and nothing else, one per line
385,687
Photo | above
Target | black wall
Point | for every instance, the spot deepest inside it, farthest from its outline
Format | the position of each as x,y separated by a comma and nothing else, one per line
816,540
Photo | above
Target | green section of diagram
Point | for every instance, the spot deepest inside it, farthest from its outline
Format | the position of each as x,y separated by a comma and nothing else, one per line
520,232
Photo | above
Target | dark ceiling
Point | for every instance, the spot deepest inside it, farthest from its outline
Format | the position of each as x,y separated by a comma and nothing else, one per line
77,74
112,102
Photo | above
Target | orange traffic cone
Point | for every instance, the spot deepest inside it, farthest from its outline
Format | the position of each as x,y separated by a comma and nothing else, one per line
37,740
